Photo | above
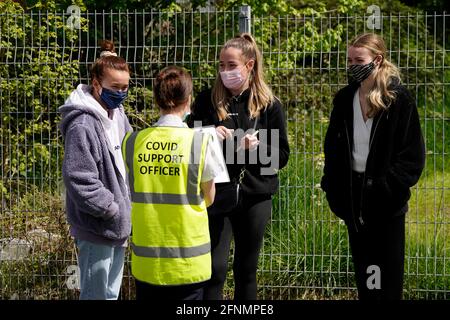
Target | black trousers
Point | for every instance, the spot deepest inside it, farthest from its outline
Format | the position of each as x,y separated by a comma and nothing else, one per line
378,251
148,292
247,224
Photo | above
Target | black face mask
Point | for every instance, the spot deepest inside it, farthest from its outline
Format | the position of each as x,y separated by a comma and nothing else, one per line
359,72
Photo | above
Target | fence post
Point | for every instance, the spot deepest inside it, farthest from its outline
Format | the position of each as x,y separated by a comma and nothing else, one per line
245,22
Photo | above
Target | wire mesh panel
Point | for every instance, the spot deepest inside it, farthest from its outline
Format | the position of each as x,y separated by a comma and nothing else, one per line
36,76
305,253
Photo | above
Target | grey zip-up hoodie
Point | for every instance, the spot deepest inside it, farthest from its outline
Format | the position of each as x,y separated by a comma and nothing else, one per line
97,198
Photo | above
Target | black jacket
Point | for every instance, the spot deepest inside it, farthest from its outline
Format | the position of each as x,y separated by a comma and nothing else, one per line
394,164
271,118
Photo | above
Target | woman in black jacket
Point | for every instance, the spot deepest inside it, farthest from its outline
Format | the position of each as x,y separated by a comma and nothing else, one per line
240,99
374,153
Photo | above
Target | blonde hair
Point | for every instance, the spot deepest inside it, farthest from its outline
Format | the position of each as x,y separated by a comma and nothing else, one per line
380,95
260,94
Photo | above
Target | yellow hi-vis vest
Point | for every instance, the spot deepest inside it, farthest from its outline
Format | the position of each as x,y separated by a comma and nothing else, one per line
170,236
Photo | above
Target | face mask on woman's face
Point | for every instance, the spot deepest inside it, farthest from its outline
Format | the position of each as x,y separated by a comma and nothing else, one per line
233,79
113,99
359,72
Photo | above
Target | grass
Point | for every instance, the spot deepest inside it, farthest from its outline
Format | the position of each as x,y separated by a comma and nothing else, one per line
305,253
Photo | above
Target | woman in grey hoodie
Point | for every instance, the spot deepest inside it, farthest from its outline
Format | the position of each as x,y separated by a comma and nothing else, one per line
97,197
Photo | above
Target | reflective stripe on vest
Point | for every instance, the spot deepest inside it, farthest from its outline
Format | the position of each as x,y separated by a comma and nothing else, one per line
165,252
165,198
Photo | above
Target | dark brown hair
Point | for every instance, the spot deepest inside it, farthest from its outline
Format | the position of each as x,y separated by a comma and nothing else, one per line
108,60
172,87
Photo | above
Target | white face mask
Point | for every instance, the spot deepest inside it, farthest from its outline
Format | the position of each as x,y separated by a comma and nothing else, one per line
232,79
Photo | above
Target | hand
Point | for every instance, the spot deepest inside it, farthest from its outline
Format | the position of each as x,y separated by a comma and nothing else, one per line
249,142
224,133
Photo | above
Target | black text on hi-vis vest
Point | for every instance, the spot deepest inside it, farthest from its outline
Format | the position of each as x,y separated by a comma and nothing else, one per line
160,153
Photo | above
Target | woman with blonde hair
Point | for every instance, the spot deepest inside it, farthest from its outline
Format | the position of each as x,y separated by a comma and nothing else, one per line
374,153
242,101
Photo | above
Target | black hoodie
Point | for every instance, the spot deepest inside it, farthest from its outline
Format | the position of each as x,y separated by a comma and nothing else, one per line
271,118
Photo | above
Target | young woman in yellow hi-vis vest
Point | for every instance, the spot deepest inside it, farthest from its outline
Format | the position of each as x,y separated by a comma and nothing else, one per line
170,171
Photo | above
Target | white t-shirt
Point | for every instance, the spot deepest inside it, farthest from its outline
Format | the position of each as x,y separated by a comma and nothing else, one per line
361,136
212,167
113,135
